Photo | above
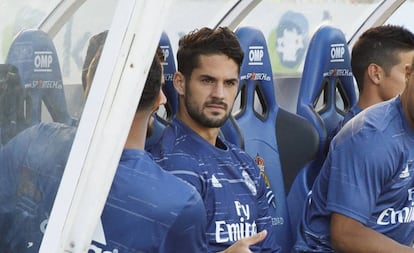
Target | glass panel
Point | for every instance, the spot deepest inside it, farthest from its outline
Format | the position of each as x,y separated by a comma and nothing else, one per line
18,15
402,16
72,42
41,101
187,15
289,25
183,17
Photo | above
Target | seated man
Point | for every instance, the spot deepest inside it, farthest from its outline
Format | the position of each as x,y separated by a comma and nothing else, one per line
378,63
228,179
149,209
362,200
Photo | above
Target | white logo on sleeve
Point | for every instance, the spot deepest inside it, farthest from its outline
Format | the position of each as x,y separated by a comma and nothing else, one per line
215,182
405,173
249,182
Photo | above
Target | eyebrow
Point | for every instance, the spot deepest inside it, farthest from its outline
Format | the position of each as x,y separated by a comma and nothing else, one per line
232,80
211,77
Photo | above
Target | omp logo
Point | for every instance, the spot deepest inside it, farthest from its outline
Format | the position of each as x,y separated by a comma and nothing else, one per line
42,61
168,77
256,54
337,52
166,53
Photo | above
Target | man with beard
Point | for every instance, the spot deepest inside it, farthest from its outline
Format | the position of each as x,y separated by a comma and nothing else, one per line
226,177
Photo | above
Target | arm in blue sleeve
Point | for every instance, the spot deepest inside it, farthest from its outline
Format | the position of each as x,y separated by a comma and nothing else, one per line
188,233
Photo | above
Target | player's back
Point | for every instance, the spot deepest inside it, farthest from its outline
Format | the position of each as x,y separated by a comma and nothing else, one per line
151,210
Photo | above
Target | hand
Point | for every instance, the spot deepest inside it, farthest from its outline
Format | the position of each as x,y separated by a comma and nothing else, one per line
242,245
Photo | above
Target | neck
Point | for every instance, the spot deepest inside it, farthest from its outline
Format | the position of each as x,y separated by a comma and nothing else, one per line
366,99
138,131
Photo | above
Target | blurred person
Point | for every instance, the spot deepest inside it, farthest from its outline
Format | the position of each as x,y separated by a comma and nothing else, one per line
31,167
148,209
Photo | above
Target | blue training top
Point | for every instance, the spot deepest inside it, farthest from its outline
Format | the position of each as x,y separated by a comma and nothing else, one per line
368,176
31,167
150,210
229,181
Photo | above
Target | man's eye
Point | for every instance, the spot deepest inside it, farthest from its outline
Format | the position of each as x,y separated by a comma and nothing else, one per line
231,83
207,81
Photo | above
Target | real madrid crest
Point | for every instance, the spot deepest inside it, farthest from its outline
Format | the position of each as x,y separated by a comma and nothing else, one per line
261,164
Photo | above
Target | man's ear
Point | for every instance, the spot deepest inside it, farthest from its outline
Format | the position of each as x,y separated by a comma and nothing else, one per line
375,73
179,82
408,70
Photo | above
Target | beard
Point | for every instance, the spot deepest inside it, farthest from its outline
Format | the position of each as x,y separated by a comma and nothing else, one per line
200,117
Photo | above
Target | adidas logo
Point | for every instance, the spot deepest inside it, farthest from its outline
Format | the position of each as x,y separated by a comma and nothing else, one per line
405,173
215,182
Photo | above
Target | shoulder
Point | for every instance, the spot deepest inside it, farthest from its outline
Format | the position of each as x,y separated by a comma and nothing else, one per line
45,131
371,129
175,148
137,166
50,140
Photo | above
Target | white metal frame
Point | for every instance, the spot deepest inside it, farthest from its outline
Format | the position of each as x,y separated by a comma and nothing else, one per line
131,43
237,13
59,15
377,17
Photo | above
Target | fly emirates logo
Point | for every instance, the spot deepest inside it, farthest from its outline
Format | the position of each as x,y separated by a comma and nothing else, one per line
232,232
392,216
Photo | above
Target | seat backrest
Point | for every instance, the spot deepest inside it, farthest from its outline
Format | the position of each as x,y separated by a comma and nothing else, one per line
12,119
160,121
169,70
326,93
259,118
34,54
327,89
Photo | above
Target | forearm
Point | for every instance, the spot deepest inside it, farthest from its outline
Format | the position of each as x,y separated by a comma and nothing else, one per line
349,235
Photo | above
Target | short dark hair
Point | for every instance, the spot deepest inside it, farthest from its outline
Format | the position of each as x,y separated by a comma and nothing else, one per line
153,83
379,45
207,41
